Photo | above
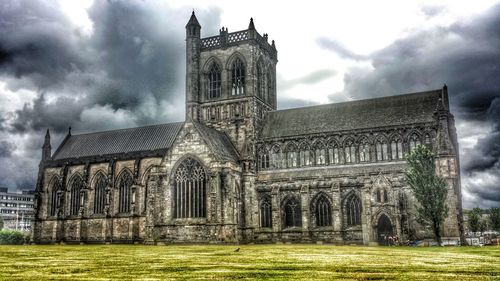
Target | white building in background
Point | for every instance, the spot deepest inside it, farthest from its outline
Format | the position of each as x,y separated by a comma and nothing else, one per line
16,209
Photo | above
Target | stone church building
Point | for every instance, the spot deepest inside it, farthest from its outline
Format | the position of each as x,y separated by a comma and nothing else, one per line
240,171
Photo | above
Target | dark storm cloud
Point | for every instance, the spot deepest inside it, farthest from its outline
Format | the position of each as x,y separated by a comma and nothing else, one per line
466,56
6,148
128,71
339,49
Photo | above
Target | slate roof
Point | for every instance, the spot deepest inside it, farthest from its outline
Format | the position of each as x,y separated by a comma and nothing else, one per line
219,142
148,138
370,113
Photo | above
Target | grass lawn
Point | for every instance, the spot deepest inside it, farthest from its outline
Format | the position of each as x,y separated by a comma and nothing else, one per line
285,262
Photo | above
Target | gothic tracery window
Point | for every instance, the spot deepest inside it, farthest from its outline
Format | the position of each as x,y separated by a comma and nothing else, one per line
291,156
414,141
189,191
292,216
305,155
333,154
52,200
320,154
381,149
349,152
261,86
214,81
99,194
263,159
323,211
266,212
353,210
75,194
125,192
238,78
364,151
397,149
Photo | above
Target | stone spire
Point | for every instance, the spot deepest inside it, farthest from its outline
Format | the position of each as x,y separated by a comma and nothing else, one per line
46,148
251,26
193,21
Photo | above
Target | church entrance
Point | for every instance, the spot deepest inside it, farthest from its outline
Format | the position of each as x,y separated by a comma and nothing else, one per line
384,230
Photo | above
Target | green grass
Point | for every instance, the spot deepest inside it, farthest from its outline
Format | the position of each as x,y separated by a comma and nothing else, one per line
284,262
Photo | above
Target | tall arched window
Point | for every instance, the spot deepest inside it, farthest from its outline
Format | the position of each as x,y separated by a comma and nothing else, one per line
292,216
381,148
414,141
214,81
75,194
364,151
238,78
320,153
266,219
125,192
99,193
397,149
428,140
323,211
263,159
270,88
189,194
291,156
275,155
305,155
333,154
349,152
261,86
353,210
52,200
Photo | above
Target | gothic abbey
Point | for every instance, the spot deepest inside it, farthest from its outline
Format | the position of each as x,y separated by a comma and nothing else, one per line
240,171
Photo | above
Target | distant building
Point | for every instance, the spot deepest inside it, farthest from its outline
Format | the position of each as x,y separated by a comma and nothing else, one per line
16,208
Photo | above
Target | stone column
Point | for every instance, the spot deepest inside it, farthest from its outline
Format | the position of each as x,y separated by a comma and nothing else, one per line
276,213
336,207
366,223
304,205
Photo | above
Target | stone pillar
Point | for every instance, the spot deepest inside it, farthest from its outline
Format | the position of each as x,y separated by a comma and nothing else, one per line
276,209
304,205
336,206
366,222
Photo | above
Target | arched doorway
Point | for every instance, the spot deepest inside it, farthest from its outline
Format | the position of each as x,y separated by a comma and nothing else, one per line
384,230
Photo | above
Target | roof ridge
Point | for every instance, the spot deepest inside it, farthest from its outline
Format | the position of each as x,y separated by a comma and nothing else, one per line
130,128
359,101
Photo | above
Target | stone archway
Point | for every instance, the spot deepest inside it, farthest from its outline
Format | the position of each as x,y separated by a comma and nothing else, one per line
384,229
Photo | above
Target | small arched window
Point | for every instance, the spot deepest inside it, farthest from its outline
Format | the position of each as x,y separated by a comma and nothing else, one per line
275,155
353,210
323,211
349,152
364,151
414,141
292,216
99,194
75,195
379,196
52,202
125,192
266,219
238,78
397,149
214,81
381,149
428,140
291,156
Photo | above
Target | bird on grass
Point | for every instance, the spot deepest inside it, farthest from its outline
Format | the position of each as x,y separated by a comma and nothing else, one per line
237,250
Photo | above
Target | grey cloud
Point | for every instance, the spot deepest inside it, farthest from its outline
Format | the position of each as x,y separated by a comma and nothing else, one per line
466,56
6,148
432,10
286,102
311,78
338,48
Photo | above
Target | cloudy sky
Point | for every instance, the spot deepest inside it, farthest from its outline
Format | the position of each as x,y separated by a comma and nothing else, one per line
97,65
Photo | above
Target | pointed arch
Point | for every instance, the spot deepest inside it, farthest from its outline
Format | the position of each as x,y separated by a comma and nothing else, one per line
349,150
305,154
124,182
321,208
396,146
53,187
319,149
237,65
364,149
214,81
76,185
353,208
99,183
265,207
189,189
414,140
263,157
292,214
291,155
334,152
381,148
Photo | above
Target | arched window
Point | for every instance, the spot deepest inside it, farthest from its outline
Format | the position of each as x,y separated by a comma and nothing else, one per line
414,141
214,81
99,193
263,159
238,78
385,195
379,197
270,88
292,216
291,156
353,210
266,219
323,211
333,154
75,195
320,153
364,151
189,194
350,152
275,156
305,155
428,140
381,148
397,149
125,192
261,86
52,200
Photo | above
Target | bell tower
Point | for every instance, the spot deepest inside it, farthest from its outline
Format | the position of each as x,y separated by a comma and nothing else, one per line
230,81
